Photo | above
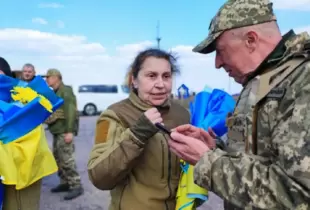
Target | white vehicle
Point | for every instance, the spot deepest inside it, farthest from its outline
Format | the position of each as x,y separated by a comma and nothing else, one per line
92,99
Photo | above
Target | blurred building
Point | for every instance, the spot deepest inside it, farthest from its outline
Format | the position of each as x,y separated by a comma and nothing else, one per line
17,74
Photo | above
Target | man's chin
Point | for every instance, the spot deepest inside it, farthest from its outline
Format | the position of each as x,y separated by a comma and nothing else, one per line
239,80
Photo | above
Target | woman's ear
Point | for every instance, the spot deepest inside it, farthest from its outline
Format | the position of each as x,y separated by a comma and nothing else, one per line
135,85
134,82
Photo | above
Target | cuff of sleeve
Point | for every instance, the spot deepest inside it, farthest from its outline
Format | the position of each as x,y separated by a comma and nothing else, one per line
220,143
203,169
144,129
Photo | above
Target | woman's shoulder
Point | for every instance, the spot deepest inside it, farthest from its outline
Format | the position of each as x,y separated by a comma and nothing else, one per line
122,112
111,113
119,105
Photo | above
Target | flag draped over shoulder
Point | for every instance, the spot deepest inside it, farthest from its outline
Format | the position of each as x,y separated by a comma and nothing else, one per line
207,110
24,153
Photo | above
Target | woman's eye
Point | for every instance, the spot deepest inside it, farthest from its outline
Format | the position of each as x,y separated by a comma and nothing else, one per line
167,76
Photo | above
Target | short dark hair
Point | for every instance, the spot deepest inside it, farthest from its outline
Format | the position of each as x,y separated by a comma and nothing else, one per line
136,65
5,67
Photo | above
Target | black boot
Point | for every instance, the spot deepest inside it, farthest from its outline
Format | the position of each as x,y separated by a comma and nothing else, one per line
74,193
60,188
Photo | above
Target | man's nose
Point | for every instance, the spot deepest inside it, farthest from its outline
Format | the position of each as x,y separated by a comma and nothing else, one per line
218,61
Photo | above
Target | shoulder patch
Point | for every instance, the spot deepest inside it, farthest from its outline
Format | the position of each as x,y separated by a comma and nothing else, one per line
307,45
276,93
102,132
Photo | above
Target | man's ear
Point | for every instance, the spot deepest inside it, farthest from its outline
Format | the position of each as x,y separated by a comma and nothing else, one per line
251,41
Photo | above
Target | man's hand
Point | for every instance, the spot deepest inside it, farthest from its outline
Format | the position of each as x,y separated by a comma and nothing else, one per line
187,148
198,133
68,137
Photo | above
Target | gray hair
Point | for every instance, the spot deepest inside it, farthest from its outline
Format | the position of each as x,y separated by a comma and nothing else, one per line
268,29
29,65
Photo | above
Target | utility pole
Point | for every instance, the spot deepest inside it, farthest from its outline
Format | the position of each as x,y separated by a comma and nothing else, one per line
158,38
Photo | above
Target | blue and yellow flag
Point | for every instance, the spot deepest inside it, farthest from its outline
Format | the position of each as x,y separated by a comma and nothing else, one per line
24,153
208,110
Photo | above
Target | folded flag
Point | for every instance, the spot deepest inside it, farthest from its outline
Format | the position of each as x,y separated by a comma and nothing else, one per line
24,153
209,109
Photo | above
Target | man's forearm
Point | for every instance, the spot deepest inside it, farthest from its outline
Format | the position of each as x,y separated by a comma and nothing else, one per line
244,180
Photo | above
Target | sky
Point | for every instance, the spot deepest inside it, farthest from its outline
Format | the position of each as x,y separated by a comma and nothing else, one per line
94,42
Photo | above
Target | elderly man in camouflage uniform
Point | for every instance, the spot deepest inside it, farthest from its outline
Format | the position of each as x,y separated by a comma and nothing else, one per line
266,163
62,124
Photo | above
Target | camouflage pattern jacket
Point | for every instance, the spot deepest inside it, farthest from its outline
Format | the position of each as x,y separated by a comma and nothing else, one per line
64,119
266,164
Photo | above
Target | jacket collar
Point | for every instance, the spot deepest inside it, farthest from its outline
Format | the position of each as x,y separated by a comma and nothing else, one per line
136,101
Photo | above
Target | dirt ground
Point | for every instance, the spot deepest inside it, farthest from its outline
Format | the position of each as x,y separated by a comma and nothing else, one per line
92,199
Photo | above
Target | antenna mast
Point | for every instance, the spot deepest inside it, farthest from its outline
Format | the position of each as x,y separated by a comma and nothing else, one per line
158,38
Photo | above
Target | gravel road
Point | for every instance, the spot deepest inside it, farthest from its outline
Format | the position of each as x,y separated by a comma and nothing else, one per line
92,199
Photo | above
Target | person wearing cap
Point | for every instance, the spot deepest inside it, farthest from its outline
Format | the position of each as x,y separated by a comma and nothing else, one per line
266,162
62,124
29,197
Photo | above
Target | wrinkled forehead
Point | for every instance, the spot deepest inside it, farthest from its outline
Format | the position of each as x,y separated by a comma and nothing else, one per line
154,64
28,69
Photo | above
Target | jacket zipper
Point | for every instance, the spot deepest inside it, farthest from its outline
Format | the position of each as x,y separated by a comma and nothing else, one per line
120,198
163,159
169,173
177,166
18,200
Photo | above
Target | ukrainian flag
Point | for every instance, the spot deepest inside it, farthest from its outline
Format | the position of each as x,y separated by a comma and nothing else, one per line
24,153
208,110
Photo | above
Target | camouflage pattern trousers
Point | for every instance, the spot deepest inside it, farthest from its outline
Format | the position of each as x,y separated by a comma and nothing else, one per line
64,156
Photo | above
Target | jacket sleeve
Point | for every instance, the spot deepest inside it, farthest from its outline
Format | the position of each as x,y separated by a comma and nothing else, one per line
283,183
69,107
117,149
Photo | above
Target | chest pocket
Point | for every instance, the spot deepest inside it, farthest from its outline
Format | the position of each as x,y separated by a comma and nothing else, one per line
158,159
239,132
240,122
237,124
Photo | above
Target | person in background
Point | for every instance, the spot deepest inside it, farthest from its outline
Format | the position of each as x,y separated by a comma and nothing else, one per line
266,163
28,198
131,156
28,72
5,68
62,124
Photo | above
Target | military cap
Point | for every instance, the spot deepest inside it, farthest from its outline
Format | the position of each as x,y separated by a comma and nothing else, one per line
53,72
236,14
